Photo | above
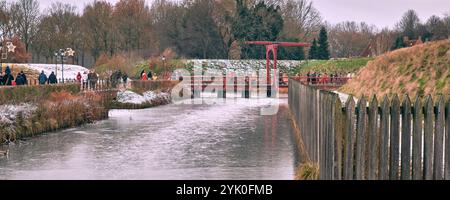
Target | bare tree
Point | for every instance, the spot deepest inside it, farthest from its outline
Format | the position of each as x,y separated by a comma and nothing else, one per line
349,39
166,22
437,28
383,41
25,19
409,24
301,19
99,28
133,23
60,28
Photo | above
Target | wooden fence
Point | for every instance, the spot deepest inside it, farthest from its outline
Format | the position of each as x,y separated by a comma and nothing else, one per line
391,140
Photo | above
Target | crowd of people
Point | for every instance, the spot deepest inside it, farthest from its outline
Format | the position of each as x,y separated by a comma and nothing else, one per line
146,76
7,78
317,78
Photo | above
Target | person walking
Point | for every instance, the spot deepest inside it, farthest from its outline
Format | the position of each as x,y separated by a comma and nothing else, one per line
20,80
7,79
125,79
150,75
24,77
79,77
1,78
52,79
144,76
42,78
8,70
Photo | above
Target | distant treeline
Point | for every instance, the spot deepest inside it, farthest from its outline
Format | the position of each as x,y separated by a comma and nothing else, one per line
193,29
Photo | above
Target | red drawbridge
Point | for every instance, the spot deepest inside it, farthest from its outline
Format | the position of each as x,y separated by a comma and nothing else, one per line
272,47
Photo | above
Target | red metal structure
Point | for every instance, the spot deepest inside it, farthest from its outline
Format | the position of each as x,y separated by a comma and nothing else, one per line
272,47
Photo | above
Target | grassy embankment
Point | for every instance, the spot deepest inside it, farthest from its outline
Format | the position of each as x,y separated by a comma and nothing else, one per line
343,66
54,107
420,70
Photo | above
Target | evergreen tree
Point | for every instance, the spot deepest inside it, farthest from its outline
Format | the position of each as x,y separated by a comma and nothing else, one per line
291,53
259,23
323,51
398,43
313,50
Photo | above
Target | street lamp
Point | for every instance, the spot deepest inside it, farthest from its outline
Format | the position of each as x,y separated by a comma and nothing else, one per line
62,54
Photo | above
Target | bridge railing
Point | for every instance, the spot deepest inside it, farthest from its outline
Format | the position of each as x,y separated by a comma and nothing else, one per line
322,80
227,84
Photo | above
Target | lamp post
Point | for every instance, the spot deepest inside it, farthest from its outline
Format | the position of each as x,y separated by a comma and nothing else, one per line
163,58
62,54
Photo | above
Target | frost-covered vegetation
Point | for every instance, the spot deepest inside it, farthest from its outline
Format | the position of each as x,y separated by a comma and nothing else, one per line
41,109
148,97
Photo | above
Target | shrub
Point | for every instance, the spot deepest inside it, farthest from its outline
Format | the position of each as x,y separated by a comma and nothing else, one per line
35,93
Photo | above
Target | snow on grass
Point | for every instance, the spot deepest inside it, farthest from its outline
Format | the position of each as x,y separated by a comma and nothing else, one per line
9,112
243,65
148,97
70,71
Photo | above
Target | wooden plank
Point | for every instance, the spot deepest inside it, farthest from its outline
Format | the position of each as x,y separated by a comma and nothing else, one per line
321,137
384,140
372,165
339,138
349,138
394,139
447,141
428,140
328,136
361,139
417,140
406,139
316,124
439,139
331,135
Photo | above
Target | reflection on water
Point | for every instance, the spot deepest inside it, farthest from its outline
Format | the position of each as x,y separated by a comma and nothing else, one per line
223,141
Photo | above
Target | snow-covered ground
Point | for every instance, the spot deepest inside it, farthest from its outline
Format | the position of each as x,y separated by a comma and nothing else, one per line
148,97
9,113
243,65
70,71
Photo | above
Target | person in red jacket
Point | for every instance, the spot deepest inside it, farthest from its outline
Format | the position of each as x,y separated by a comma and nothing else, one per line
144,76
79,77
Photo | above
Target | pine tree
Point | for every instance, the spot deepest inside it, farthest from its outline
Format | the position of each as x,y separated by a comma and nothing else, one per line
323,52
313,50
398,43
291,53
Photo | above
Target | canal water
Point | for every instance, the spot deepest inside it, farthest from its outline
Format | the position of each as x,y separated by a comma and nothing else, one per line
225,140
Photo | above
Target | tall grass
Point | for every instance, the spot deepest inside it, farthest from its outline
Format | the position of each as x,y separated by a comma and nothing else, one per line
59,110
419,70
35,93
333,66
307,171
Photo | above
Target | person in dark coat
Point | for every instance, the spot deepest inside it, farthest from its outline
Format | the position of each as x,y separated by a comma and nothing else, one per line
20,80
42,78
7,79
8,70
25,81
150,75
125,79
52,78
1,78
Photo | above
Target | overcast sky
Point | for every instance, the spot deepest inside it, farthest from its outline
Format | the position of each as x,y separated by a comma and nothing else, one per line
382,13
